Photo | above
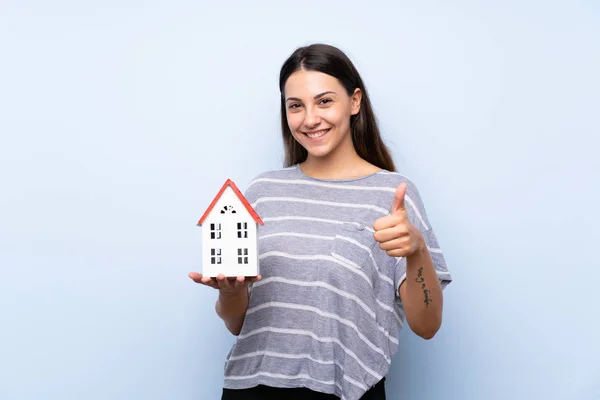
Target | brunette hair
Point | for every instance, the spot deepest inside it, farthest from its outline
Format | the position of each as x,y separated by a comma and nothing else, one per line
365,132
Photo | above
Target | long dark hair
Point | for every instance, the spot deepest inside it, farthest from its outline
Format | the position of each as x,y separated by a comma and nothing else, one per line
365,132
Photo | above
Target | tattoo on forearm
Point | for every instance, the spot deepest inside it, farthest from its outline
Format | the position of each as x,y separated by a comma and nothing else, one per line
420,279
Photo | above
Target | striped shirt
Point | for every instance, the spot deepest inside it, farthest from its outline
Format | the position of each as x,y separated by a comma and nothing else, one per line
326,314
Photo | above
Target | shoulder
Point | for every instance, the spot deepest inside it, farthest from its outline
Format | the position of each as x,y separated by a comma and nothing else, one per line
395,179
281,173
261,182
414,201
273,175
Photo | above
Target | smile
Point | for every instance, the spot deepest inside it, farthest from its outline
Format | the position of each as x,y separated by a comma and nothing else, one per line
316,134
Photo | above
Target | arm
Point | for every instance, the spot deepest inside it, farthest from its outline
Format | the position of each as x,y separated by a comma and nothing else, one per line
233,299
421,293
231,308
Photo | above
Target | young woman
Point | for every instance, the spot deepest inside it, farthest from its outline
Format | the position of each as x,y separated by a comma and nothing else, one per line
347,253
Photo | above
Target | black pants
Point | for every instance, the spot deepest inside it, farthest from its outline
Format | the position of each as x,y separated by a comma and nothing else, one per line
261,392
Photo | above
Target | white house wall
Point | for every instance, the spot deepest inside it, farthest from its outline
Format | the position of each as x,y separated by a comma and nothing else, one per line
229,243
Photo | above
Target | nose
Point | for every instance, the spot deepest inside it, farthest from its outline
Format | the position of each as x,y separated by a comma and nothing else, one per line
312,119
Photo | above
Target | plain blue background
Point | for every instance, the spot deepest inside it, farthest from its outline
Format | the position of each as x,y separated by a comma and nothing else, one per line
120,120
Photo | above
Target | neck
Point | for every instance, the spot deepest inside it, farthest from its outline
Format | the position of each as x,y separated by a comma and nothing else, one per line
342,163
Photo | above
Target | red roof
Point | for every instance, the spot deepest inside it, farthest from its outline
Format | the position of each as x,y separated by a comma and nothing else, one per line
240,196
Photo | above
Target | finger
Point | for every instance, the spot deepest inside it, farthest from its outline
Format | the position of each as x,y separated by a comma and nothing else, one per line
394,232
223,282
239,282
212,283
398,205
385,222
397,252
253,279
246,280
196,277
208,281
394,244
203,280
199,278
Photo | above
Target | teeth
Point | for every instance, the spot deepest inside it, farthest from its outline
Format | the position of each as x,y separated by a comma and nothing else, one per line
316,135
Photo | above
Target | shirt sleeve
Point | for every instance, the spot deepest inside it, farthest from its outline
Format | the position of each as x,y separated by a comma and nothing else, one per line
437,257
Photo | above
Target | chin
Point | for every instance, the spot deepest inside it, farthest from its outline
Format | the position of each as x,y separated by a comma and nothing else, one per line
318,153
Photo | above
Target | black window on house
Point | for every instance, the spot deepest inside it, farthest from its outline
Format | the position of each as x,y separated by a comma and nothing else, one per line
215,256
242,230
215,231
242,256
227,209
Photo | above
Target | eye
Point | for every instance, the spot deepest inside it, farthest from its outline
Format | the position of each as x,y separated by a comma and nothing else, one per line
325,101
293,106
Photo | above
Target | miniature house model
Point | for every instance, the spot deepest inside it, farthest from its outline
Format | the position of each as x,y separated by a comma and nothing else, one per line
230,235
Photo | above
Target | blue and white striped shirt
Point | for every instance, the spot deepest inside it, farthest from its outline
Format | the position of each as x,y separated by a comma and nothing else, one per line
326,314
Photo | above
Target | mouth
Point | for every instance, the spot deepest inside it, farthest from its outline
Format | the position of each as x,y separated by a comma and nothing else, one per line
317,134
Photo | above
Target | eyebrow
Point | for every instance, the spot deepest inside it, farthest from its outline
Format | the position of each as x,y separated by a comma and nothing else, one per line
316,97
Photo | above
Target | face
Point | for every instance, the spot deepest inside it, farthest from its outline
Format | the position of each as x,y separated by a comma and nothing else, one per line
318,111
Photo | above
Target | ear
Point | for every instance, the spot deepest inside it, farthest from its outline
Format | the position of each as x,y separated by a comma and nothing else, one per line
355,101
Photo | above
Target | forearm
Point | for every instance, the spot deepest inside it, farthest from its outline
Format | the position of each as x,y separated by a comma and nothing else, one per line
231,308
421,294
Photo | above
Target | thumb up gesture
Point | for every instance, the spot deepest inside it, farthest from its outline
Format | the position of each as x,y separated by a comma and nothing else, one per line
394,232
